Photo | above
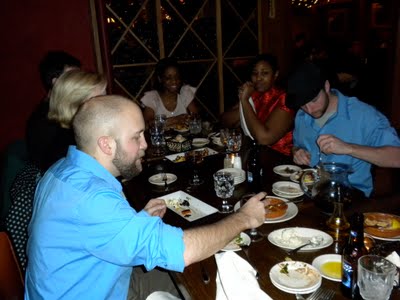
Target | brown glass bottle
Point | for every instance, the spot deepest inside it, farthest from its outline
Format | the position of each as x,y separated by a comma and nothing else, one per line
254,171
351,253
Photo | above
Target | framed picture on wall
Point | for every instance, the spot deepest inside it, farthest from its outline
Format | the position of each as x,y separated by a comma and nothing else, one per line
337,21
380,15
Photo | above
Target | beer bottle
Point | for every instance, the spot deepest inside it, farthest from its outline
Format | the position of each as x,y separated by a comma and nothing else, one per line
254,169
351,253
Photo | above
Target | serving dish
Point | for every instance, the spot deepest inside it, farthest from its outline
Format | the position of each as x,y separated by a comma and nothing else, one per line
382,225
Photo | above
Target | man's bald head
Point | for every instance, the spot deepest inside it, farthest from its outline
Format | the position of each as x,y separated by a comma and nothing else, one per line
99,117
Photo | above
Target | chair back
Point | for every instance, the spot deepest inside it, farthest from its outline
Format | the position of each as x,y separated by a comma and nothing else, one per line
11,280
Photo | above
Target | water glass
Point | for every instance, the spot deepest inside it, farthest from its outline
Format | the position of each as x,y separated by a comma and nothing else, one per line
375,277
224,187
160,120
195,124
157,137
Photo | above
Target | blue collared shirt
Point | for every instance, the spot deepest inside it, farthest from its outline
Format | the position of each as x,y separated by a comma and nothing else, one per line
84,237
354,122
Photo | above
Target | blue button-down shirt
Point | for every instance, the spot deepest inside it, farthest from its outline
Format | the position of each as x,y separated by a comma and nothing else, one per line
354,122
84,237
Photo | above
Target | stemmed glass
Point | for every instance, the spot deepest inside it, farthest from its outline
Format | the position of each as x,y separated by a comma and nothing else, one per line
195,158
234,141
157,138
255,236
194,124
224,187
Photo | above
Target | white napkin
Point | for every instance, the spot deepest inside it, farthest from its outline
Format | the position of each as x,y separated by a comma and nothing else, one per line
395,259
159,295
236,279
243,120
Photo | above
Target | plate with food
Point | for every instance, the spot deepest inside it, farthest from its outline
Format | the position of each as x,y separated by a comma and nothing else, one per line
187,206
329,266
286,170
238,242
295,277
158,179
289,213
287,189
200,142
181,157
181,128
295,177
382,226
293,237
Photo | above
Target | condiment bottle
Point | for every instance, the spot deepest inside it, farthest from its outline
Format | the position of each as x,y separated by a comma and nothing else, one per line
237,163
254,169
337,223
351,253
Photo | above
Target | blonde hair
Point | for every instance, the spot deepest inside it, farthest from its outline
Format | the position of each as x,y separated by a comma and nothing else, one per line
69,91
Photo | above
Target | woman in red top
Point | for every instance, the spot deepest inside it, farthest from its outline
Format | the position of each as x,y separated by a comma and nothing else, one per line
271,121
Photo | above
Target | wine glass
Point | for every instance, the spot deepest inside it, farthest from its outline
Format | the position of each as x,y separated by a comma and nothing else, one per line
224,187
234,141
157,138
194,124
195,158
255,236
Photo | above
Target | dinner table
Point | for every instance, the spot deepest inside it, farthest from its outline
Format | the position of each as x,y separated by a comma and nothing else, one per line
262,255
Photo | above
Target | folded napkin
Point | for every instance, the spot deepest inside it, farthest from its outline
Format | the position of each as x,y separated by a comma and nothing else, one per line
236,279
395,259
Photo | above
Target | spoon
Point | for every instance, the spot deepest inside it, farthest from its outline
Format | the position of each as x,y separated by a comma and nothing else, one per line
314,241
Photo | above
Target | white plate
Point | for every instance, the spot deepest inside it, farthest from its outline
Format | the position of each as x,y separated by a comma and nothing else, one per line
200,142
157,179
234,246
198,208
239,175
286,170
287,196
302,278
393,239
292,237
287,188
295,177
182,130
291,212
175,157
320,264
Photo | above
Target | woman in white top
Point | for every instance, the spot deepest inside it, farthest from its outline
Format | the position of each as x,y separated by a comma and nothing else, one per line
170,97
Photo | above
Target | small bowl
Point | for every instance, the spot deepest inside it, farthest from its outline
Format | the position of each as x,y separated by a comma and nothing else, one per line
200,142
278,211
178,146
382,225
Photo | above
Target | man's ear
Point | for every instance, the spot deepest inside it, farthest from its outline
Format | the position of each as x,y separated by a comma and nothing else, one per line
106,144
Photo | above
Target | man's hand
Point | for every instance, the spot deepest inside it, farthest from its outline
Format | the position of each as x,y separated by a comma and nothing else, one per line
301,157
330,144
156,208
254,210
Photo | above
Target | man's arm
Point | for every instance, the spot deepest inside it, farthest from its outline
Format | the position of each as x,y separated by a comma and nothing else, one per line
204,241
386,156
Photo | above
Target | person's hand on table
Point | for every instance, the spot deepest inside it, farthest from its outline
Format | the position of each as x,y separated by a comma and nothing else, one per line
255,211
301,157
156,208
329,144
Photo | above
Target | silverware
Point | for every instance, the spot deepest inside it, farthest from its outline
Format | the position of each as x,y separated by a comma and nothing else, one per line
165,179
313,241
322,294
204,274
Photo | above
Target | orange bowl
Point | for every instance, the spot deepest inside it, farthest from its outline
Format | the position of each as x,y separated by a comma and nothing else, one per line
278,209
382,225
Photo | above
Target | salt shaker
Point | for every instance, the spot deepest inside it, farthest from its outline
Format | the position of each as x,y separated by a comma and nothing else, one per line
237,162
227,162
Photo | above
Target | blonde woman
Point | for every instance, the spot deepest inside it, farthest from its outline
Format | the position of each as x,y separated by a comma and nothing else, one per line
70,90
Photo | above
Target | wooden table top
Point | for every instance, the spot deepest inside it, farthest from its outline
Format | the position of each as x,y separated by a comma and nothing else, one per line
263,255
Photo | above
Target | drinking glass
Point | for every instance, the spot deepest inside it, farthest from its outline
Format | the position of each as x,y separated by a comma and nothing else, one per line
375,277
223,134
194,124
160,120
234,141
255,236
157,138
224,187
195,158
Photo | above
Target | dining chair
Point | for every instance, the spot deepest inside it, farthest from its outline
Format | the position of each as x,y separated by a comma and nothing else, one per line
11,280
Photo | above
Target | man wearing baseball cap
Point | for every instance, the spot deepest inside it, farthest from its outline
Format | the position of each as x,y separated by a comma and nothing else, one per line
332,127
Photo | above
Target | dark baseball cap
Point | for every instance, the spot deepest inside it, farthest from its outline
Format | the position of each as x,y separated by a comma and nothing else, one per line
304,84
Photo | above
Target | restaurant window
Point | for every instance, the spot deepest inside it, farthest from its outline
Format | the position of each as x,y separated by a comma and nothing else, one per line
212,40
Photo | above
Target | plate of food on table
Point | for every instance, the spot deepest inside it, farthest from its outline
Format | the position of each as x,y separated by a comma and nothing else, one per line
242,240
181,128
382,226
287,189
286,170
187,206
181,157
330,266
